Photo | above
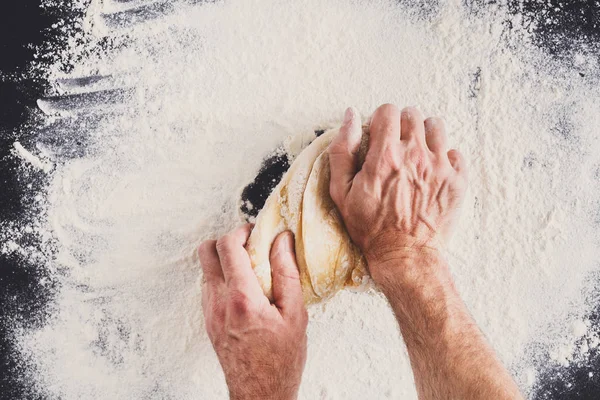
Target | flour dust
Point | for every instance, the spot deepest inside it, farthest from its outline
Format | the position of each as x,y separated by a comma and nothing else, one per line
209,89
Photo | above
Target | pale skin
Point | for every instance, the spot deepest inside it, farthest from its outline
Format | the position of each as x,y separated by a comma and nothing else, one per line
396,208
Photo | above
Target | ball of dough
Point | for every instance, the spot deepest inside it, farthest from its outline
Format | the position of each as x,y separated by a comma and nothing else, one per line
327,259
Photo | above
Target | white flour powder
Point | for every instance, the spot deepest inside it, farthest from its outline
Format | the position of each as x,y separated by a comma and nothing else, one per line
217,86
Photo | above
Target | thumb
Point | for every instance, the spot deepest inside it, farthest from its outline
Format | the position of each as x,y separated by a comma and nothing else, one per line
343,156
287,290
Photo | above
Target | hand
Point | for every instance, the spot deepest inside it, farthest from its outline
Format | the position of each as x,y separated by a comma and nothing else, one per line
408,191
396,207
261,346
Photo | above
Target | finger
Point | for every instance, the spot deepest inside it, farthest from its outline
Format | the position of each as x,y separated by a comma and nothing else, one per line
384,131
287,290
412,126
343,155
209,261
235,261
207,308
435,135
205,297
212,309
457,161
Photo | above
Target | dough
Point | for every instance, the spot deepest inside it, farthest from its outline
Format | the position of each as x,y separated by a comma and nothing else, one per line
327,259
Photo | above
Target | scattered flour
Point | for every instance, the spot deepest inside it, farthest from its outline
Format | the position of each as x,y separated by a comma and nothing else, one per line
217,86
34,160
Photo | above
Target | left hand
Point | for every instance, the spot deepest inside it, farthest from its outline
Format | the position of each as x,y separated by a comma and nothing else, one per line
261,346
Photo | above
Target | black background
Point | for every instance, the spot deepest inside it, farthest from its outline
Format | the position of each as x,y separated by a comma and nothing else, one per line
560,27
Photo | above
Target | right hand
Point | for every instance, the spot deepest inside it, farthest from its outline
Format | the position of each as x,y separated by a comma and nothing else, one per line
260,345
408,191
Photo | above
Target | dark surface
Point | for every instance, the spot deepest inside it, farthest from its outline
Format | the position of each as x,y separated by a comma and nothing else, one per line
255,194
561,26
21,297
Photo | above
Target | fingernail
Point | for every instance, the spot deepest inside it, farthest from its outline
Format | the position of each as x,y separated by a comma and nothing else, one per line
348,116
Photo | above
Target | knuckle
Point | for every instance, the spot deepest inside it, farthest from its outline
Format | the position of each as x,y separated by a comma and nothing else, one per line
223,243
214,318
338,147
391,157
216,311
371,169
417,155
206,247
388,125
289,273
240,304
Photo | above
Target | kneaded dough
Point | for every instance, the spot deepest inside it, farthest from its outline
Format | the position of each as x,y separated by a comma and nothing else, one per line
327,259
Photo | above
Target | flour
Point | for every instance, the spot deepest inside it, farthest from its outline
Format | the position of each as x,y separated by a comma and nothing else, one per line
31,159
219,85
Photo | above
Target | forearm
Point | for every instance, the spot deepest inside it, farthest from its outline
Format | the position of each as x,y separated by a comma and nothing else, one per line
449,354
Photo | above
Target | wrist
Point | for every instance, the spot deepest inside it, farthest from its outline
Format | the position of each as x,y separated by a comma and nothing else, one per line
404,267
393,246
421,291
262,396
252,392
